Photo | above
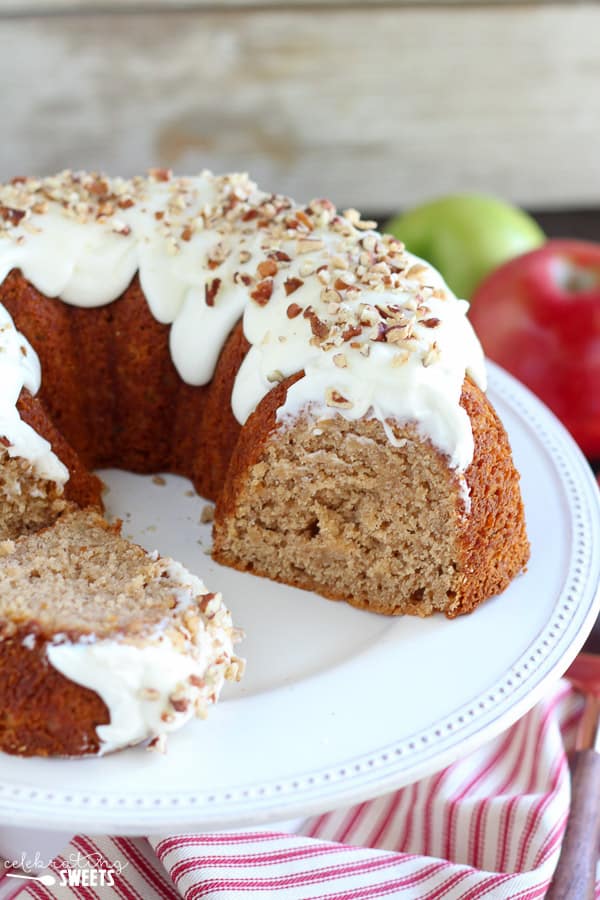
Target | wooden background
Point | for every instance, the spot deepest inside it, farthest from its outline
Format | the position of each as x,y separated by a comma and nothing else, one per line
379,105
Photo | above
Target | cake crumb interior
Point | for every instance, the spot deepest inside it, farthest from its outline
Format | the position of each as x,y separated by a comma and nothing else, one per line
329,507
81,576
28,502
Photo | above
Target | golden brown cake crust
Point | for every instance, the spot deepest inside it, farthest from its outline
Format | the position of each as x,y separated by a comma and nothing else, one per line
112,392
493,536
48,715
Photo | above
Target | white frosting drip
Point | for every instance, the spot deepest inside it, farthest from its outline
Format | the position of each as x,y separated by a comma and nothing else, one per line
20,368
147,688
428,395
199,244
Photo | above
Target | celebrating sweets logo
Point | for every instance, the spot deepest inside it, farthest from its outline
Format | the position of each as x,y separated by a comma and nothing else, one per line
76,870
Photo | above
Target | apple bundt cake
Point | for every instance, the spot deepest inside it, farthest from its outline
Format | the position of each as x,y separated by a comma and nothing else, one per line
307,373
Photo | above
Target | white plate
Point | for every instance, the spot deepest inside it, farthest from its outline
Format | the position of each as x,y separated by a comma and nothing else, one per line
339,704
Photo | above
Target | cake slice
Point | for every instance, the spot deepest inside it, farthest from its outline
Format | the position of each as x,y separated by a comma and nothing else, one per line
102,644
39,470
31,497
336,506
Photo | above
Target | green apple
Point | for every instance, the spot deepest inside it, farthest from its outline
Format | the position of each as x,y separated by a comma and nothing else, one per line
466,236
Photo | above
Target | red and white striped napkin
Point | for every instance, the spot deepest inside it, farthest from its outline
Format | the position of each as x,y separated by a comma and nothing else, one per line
488,826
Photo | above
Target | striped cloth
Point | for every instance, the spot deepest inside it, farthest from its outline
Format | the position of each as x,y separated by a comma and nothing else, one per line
489,826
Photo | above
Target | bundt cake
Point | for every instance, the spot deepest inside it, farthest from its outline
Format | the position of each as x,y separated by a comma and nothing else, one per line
318,382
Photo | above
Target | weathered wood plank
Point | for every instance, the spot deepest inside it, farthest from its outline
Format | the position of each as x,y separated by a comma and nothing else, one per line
375,107
44,7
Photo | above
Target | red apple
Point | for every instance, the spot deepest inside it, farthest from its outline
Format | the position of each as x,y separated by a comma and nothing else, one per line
539,317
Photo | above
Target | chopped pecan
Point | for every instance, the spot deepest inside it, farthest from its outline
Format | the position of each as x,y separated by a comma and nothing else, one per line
351,331
262,292
160,174
335,399
267,268
319,328
292,284
341,285
211,290
11,215
99,187
302,217
180,704
280,256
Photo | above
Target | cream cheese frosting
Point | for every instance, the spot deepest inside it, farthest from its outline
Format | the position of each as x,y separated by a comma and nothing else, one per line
20,368
155,687
374,330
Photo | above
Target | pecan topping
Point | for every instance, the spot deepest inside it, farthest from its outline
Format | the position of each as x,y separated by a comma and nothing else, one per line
158,744
292,284
99,187
302,217
206,601
293,310
262,292
307,245
351,331
11,215
341,285
267,268
211,290
319,328
160,174
382,330
280,256
395,334
217,256
417,269
432,355
335,399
